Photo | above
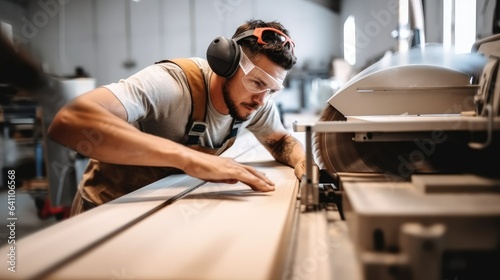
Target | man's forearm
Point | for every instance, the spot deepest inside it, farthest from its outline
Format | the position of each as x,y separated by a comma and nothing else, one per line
110,139
288,150
94,132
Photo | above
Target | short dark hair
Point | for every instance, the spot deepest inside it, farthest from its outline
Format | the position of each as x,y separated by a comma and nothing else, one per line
278,53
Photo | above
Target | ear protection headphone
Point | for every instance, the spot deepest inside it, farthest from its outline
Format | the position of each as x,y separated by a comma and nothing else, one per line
223,56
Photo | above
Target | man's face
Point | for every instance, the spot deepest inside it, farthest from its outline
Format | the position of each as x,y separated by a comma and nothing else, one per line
240,101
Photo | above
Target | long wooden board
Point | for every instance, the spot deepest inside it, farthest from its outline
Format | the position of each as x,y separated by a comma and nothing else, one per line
218,231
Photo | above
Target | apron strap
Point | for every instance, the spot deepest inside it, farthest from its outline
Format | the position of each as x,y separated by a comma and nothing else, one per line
234,129
199,94
198,89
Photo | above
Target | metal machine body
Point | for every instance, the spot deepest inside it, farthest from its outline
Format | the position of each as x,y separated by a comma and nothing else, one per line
411,144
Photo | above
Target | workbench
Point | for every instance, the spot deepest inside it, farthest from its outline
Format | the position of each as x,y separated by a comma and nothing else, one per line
183,228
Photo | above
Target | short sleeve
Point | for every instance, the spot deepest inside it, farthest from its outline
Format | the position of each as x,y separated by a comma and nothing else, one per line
151,92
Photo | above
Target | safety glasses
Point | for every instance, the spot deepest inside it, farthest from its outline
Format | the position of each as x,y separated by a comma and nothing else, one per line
257,80
267,35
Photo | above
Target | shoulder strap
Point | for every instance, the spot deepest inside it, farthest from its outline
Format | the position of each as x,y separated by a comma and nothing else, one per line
199,94
198,89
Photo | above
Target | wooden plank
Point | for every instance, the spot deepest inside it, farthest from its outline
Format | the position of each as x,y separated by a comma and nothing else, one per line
219,231
52,247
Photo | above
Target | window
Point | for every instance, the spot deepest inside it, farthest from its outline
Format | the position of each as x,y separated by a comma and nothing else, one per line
350,40
459,25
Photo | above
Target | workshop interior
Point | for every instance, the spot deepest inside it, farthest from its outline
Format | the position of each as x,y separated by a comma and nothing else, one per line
396,101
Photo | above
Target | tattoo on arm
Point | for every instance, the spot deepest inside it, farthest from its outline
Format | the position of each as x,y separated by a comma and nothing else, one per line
282,149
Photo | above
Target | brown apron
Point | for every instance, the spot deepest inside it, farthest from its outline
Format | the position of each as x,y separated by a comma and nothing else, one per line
103,182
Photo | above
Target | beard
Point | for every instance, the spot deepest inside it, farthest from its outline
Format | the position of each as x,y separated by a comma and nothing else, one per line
231,105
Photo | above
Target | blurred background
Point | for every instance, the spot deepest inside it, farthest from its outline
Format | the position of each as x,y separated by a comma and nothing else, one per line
82,44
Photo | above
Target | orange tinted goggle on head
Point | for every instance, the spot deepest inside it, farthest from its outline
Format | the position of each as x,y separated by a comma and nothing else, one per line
266,35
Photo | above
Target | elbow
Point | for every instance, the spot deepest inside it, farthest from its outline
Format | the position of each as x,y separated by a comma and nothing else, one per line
59,127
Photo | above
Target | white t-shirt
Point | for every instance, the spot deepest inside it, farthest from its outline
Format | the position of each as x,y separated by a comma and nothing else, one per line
158,101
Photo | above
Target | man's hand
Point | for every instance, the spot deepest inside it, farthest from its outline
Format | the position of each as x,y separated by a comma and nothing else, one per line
226,170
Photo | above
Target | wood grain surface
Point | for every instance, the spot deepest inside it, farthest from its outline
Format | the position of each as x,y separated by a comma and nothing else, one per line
217,231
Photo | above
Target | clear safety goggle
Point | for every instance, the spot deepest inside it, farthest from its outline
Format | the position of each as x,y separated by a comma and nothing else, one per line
257,80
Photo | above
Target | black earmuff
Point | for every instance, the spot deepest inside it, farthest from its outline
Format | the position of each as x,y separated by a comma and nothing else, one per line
223,56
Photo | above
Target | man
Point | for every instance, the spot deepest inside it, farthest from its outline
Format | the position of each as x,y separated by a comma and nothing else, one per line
157,102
